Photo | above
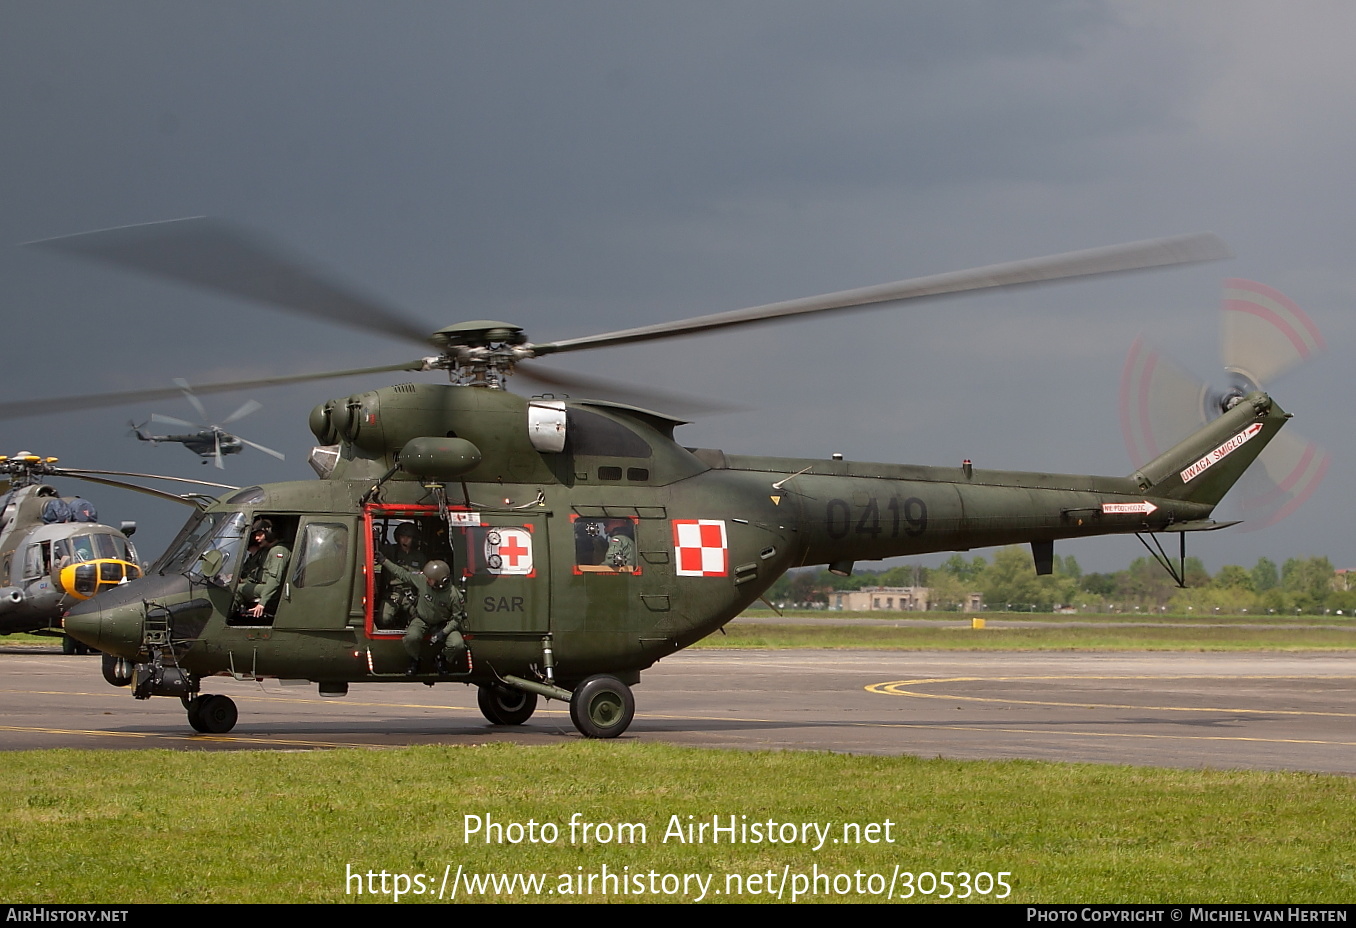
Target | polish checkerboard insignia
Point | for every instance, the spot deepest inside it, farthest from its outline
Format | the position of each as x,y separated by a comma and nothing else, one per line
700,548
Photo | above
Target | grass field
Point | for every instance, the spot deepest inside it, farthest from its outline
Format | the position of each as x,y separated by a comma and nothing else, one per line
134,826
153,826
1018,631
1039,632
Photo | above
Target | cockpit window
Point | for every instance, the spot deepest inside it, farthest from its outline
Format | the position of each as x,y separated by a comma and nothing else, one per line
228,538
80,548
195,537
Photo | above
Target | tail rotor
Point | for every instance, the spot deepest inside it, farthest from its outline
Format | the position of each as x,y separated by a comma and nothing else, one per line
1263,335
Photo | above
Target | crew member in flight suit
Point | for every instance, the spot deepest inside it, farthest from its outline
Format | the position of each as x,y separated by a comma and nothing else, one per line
437,609
397,608
262,577
621,547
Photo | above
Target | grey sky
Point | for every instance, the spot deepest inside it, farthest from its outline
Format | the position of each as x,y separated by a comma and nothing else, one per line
581,167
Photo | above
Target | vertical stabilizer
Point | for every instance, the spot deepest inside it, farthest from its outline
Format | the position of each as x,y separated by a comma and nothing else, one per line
1202,468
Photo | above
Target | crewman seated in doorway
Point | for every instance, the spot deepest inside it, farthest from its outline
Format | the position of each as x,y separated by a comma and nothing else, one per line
437,613
261,578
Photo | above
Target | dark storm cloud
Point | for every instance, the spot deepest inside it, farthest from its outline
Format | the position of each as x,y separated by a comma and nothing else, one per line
588,166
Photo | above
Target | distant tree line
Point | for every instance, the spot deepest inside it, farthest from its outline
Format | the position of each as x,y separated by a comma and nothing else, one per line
1307,585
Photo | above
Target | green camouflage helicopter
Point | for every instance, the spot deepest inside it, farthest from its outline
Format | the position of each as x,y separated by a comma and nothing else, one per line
586,541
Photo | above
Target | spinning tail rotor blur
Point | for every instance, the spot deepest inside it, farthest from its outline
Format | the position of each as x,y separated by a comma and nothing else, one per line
1263,335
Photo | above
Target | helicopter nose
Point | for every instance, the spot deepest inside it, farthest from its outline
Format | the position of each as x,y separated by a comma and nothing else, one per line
113,630
83,624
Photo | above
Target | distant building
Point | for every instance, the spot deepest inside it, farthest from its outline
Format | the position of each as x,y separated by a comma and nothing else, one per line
893,599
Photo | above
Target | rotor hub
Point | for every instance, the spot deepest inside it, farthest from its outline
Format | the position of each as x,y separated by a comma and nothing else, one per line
479,353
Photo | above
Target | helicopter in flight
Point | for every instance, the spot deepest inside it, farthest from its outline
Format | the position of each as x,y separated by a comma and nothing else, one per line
585,541
210,441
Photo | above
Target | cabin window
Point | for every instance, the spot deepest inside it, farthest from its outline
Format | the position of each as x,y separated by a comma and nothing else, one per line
37,560
605,546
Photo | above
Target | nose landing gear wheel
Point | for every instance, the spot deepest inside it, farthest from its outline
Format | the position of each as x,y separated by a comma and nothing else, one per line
213,714
503,705
602,707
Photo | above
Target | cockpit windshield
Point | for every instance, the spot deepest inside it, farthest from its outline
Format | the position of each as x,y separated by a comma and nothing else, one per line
224,531
226,540
81,548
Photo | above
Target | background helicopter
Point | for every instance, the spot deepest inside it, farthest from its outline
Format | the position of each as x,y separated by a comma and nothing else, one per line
54,553
53,550
210,441
517,493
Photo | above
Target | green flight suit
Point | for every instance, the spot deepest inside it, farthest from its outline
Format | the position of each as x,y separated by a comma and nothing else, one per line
262,578
434,609
621,551
397,607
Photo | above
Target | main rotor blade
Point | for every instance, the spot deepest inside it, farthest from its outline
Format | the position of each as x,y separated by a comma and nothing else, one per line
82,472
277,454
171,420
596,388
217,256
42,407
1162,252
193,401
248,407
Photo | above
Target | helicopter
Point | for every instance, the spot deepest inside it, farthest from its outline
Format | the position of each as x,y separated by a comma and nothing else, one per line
210,442
526,498
54,552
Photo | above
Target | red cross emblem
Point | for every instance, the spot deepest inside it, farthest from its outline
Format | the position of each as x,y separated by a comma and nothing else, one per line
508,551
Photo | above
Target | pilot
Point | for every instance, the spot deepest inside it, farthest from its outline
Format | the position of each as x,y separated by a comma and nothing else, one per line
621,547
397,608
261,579
437,610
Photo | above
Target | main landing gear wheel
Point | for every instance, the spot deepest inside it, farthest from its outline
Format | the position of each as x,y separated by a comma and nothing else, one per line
602,707
111,671
213,714
70,646
504,705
